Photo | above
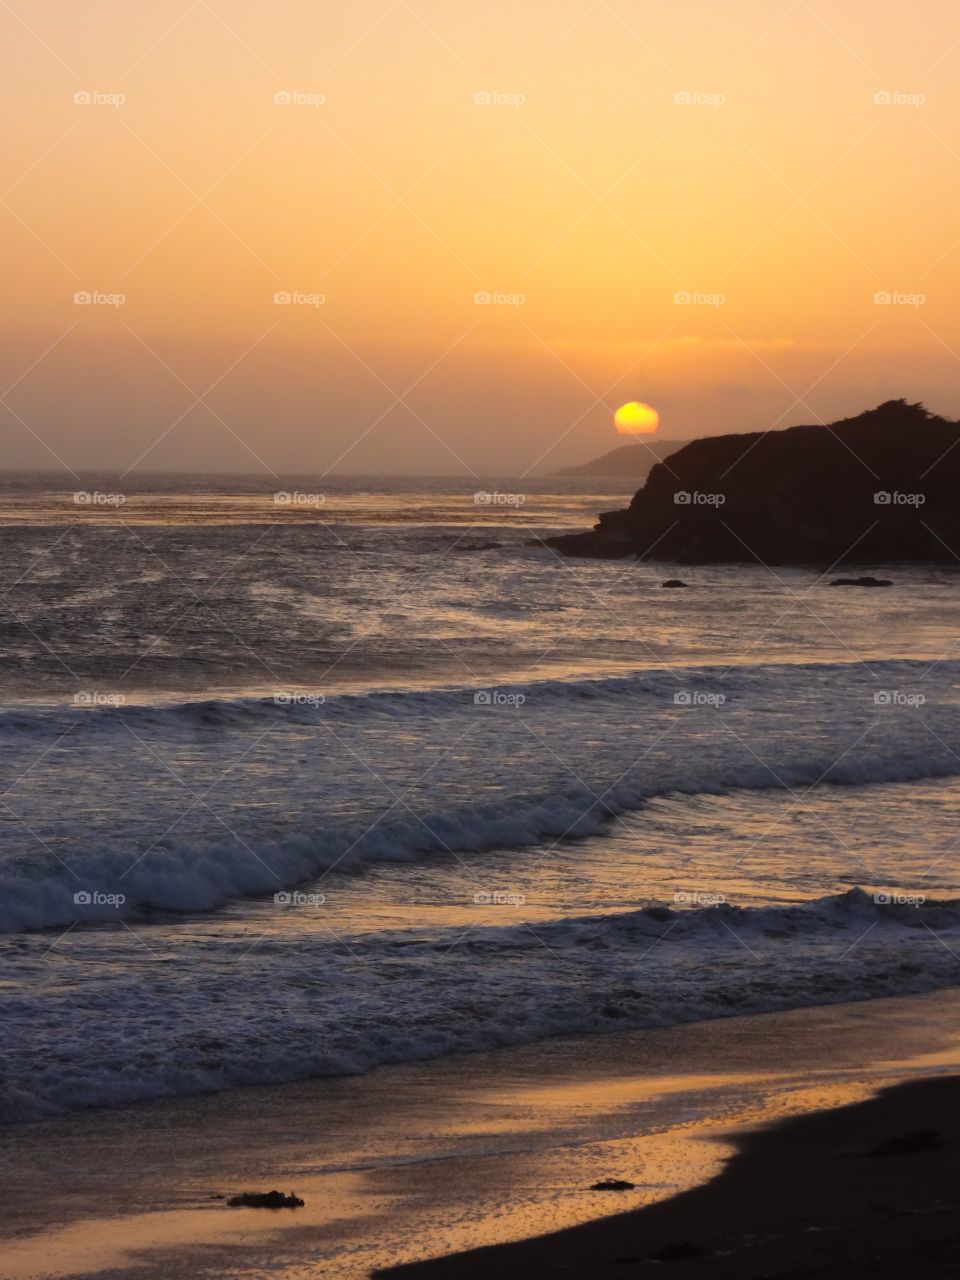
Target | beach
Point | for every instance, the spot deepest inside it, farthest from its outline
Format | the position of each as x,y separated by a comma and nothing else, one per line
423,1160
868,1189
462,903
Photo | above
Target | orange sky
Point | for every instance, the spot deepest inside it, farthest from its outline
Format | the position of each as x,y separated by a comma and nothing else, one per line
622,157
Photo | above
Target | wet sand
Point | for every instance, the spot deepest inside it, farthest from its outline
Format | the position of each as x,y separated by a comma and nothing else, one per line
422,1160
871,1189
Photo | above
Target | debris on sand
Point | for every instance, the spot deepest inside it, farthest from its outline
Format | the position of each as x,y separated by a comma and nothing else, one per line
265,1200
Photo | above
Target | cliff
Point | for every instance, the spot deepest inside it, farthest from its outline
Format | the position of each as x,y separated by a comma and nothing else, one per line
879,488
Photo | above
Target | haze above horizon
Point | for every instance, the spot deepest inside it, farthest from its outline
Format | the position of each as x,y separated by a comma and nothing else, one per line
429,238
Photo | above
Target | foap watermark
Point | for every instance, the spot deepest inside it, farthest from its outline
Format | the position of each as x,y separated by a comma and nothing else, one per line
98,98
698,98
97,698
296,898
294,498
698,898
498,898
898,698
298,98
686,498
96,898
894,498
897,298
497,298
896,899
694,298
494,498
296,298
498,698
898,98
698,698
97,298
95,498
498,98
283,698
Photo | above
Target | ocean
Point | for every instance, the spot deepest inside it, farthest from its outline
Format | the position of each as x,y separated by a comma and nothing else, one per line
298,783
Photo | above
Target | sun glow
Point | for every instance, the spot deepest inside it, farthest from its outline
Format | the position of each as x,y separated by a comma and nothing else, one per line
636,419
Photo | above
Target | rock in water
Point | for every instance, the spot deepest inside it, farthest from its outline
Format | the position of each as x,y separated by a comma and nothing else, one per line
265,1200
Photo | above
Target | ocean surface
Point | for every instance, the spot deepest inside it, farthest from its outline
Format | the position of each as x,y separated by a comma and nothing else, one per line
295,783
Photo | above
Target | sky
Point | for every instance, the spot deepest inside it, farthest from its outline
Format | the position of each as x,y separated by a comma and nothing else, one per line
411,236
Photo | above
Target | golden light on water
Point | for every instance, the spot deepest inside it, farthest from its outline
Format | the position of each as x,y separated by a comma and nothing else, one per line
636,419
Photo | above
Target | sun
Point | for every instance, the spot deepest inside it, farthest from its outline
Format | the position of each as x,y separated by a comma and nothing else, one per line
636,419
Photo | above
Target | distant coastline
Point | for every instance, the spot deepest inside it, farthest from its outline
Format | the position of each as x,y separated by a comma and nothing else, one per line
634,461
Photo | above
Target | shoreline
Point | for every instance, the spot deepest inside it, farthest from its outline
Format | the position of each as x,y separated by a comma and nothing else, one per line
442,1156
869,1188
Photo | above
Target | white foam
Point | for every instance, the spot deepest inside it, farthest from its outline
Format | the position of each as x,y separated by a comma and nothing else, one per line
394,776
207,1013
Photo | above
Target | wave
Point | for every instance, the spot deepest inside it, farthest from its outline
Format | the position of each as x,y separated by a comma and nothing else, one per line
103,711
229,1012
798,726
187,877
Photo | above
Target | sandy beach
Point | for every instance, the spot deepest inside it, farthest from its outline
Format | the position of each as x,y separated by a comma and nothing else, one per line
417,1161
867,1189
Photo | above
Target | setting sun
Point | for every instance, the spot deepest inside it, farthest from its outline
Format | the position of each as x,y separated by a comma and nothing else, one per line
636,419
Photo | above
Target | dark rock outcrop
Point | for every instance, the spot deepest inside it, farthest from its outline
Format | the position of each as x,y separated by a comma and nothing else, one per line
862,582
883,487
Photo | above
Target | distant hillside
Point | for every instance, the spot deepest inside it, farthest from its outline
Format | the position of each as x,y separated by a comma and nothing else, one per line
631,460
876,489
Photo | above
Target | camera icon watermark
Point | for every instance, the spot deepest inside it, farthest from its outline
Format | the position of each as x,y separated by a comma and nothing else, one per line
94,898
282,698
496,298
296,298
497,898
97,98
298,98
894,498
98,698
487,498
698,98
898,698
898,98
294,498
97,298
694,498
497,98
698,698
698,898
897,298
884,899
296,898
94,498
695,298
498,698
